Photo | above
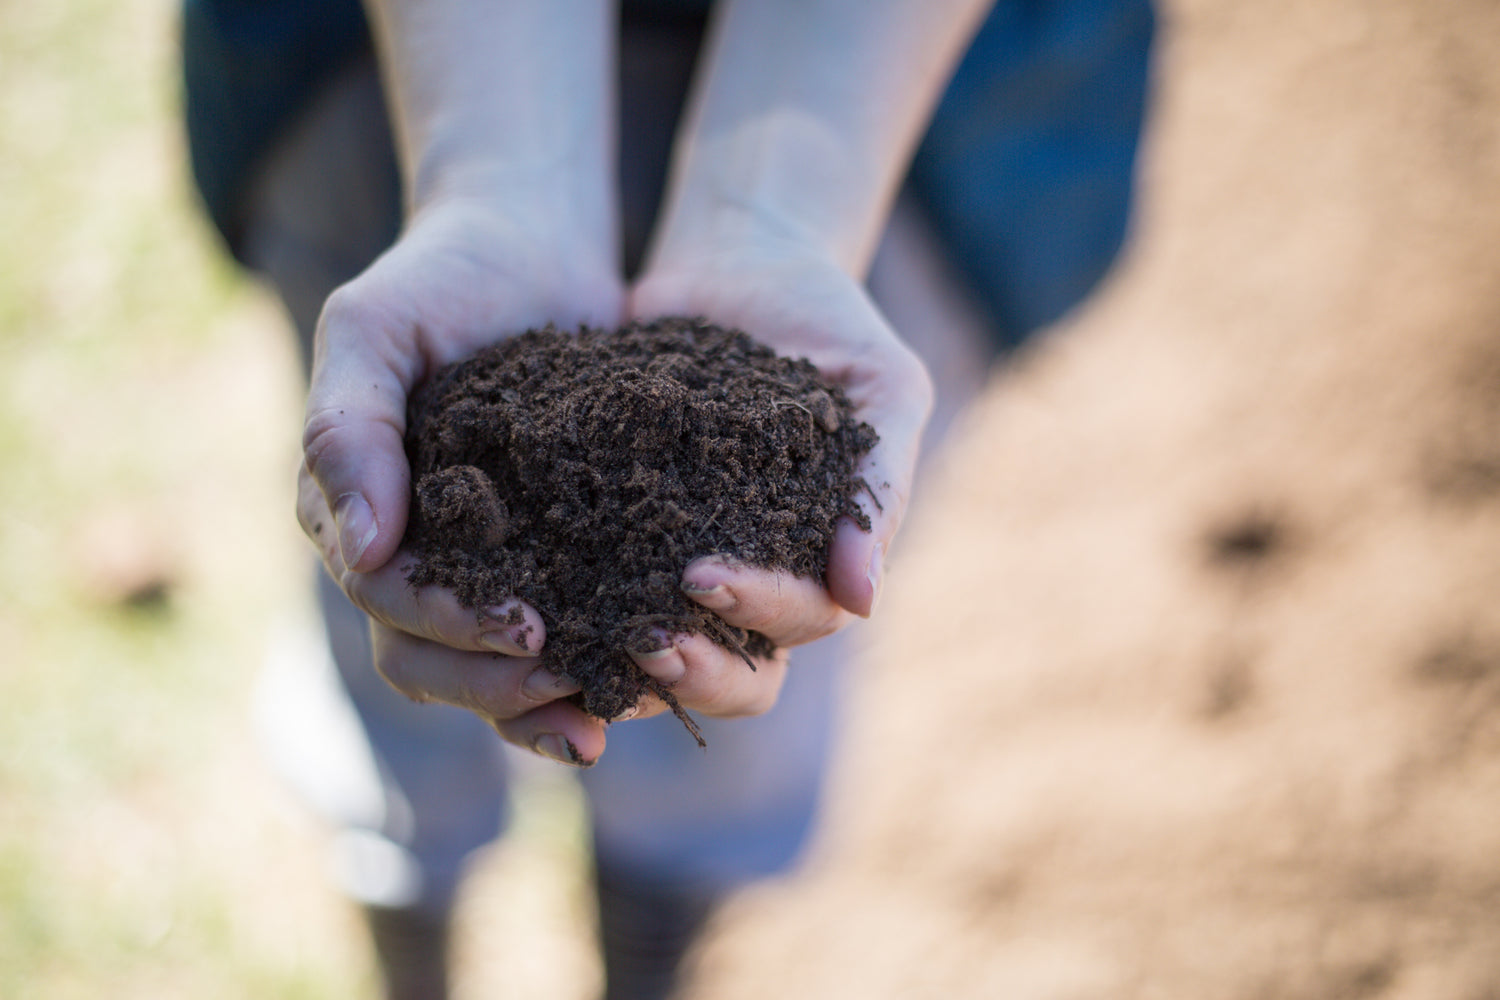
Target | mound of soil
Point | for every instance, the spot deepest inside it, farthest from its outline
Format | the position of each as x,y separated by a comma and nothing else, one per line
582,472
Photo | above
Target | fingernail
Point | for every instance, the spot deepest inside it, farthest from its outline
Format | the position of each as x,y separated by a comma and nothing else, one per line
506,642
559,748
715,598
666,665
513,637
356,524
509,613
544,685
875,573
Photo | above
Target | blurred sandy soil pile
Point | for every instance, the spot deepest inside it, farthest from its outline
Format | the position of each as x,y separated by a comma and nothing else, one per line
1189,679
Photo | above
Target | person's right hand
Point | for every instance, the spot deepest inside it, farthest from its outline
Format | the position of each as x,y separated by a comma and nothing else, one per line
463,275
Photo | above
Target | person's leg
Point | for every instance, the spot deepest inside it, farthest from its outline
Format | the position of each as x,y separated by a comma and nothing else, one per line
676,827
325,204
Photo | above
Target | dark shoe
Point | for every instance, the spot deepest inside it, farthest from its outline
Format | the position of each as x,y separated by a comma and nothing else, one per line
412,946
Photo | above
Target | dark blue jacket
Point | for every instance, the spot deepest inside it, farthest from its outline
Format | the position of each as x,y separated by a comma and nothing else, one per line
1027,167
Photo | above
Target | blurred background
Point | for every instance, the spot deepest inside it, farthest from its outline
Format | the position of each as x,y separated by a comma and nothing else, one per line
147,426
149,559
1187,683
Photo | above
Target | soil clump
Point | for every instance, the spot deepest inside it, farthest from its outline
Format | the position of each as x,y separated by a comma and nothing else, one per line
581,472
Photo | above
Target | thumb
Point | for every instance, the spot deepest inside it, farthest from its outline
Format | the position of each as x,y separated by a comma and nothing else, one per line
856,556
356,421
897,405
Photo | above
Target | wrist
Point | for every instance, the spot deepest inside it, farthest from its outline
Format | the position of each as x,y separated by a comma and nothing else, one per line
483,263
470,157
724,232
788,184
550,218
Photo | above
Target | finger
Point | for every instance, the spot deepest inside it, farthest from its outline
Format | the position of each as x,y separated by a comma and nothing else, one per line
856,567
494,686
897,404
712,679
560,731
789,610
356,420
516,695
317,521
510,627
648,706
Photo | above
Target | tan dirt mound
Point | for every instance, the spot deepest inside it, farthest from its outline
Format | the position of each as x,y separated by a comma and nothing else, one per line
1188,681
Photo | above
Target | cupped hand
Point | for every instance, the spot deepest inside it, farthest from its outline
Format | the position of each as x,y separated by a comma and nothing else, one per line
463,275
802,304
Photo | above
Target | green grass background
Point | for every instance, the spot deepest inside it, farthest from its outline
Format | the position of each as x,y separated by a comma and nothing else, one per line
147,430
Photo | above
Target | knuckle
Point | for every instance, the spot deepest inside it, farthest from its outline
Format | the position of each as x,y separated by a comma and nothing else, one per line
826,620
822,628
320,439
774,606
438,617
757,615
357,587
493,694
346,311
760,694
470,693
423,620
731,691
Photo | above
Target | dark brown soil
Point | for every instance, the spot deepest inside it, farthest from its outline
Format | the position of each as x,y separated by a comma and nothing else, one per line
582,473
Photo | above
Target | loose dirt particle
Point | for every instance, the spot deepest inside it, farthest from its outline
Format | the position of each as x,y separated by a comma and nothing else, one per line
582,473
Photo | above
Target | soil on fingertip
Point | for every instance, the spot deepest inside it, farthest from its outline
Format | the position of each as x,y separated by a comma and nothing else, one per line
581,472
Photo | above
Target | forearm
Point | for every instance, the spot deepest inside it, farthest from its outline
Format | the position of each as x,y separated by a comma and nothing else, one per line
508,101
806,119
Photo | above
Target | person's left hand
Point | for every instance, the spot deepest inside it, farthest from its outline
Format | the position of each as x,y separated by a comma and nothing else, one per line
803,305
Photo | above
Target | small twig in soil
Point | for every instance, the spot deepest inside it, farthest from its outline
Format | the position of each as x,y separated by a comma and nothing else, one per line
659,689
730,639
710,522
812,418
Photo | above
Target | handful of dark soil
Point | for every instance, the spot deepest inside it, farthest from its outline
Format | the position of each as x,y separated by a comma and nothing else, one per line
582,473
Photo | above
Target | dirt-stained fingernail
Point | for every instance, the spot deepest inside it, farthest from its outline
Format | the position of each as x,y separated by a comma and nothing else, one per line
666,665
715,598
507,631
543,685
504,642
559,748
706,577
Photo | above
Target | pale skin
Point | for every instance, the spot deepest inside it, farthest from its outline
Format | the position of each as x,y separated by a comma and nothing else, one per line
800,128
